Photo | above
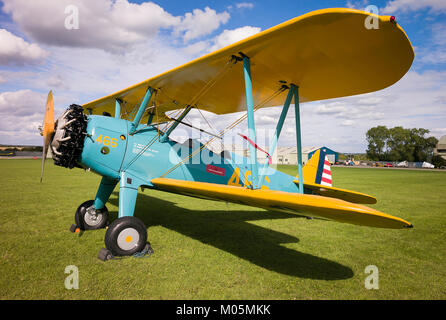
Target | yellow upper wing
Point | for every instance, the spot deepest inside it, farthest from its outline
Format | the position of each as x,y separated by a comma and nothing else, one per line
329,208
328,53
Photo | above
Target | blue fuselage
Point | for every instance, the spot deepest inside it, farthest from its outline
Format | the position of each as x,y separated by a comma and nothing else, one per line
110,150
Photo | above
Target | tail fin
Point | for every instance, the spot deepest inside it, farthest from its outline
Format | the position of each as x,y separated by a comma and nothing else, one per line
317,169
317,179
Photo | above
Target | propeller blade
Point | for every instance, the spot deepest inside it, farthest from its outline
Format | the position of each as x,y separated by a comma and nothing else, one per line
47,129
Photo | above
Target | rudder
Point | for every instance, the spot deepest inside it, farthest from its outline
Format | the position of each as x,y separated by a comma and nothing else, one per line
317,169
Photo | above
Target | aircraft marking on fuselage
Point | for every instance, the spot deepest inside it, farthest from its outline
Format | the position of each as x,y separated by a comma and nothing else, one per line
138,148
234,180
107,141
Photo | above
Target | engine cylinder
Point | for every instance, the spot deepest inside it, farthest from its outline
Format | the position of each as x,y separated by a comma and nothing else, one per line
69,137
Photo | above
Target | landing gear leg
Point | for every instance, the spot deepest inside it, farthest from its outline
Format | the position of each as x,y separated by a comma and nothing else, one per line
104,191
127,235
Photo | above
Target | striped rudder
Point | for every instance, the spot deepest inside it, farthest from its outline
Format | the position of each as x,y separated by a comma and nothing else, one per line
326,173
317,170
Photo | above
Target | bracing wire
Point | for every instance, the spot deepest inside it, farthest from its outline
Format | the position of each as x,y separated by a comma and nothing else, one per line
202,92
230,127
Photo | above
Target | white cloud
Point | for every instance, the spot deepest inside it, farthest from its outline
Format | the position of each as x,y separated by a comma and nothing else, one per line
21,103
81,75
117,45
438,132
433,57
347,123
110,25
244,5
228,37
414,5
76,75
439,34
56,81
361,4
417,100
332,108
200,23
197,47
435,51
21,113
16,51
105,24
266,119
90,64
355,108
143,18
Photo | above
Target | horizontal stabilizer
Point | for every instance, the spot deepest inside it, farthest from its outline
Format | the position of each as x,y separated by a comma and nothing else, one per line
324,207
317,178
343,194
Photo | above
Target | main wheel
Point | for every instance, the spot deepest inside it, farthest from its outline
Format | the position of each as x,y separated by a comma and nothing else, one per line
126,236
88,218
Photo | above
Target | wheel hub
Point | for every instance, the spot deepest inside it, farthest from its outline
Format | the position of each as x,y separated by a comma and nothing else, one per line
92,216
128,239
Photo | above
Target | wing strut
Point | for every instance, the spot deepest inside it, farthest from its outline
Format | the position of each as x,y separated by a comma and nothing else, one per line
141,110
257,180
165,136
251,124
279,126
292,93
295,91
191,126
118,108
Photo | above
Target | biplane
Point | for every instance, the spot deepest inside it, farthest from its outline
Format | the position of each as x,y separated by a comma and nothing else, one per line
125,136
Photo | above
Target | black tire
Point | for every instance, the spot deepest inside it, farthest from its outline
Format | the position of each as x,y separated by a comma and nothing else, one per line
87,222
126,236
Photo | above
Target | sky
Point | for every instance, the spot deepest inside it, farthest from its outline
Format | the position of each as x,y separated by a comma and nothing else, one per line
118,43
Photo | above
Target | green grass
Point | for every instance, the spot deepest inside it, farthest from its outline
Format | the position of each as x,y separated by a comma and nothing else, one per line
213,250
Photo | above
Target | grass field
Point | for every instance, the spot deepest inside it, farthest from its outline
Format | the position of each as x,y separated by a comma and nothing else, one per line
213,250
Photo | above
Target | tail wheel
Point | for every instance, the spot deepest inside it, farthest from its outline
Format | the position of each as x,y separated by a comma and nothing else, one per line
88,218
126,236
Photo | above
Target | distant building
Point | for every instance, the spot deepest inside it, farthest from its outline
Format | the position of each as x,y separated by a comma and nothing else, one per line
285,155
244,152
441,148
288,155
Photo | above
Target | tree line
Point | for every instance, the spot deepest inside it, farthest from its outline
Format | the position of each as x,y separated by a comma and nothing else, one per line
400,144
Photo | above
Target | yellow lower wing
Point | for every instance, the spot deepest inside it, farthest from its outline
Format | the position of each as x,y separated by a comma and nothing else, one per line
329,208
343,194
